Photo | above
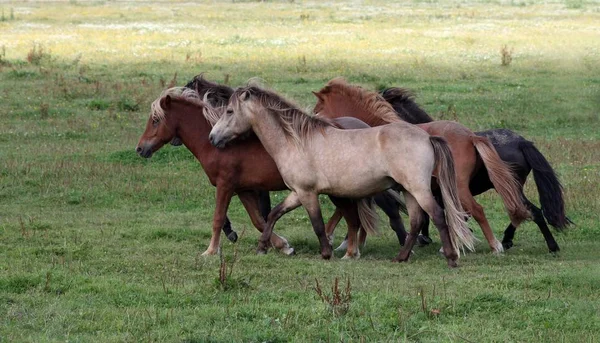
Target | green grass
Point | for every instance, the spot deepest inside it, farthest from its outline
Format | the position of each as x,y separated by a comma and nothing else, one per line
97,244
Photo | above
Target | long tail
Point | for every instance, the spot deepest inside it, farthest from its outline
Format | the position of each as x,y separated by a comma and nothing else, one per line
504,181
367,214
460,234
549,188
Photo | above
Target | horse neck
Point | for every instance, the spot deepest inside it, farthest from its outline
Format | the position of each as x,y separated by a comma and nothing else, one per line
344,106
271,135
192,128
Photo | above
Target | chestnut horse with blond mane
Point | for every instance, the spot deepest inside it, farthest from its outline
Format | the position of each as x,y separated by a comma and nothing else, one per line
338,98
315,157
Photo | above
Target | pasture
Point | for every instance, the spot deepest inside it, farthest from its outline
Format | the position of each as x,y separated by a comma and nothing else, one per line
99,244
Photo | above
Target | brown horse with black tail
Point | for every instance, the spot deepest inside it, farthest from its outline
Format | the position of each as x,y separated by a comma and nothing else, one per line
338,98
523,157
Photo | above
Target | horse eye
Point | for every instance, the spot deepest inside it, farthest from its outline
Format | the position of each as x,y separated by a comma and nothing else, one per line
230,111
155,122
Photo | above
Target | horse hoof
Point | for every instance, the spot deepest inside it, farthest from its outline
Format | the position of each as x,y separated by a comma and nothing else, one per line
452,264
260,251
210,252
232,237
326,255
289,251
423,240
498,249
351,257
507,245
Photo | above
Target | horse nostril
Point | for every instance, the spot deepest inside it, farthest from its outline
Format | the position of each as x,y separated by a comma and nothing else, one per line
138,149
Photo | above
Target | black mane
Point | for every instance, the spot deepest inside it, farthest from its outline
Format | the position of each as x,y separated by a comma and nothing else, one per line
404,104
218,95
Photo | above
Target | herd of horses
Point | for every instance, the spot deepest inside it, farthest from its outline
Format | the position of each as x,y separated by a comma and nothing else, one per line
361,148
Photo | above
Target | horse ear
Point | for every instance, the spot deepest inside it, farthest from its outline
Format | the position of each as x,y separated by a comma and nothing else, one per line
318,95
245,96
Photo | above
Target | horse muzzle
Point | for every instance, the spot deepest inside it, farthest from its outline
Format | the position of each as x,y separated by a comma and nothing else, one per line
144,150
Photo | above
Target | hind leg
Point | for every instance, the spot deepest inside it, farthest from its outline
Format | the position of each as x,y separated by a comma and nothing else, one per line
436,213
264,204
416,216
310,201
250,200
289,203
228,231
331,225
538,218
476,210
349,211
392,210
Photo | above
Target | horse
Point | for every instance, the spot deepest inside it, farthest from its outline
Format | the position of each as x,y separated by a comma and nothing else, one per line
315,157
243,168
218,95
338,98
523,157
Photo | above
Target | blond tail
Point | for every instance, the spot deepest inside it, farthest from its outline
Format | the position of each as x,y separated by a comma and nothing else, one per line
367,214
503,179
460,235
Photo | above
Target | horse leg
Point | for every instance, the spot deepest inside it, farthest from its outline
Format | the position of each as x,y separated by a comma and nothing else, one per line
289,203
436,213
228,231
264,204
424,238
250,200
415,216
332,223
392,210
538,218
349,211
223,198
471,206
310,201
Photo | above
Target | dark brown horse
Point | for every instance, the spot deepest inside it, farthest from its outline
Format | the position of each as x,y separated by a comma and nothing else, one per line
338,98
243,168
523,157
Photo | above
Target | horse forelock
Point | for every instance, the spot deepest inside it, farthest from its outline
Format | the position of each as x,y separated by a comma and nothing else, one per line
371,102
157,113
296,124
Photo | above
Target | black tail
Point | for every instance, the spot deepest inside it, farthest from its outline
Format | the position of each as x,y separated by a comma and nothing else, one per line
548,185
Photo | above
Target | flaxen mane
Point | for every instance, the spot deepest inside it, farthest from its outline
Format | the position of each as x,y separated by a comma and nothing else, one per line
296,124
185,94
370,101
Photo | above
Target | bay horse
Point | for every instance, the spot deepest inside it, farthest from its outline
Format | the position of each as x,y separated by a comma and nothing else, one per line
243,168
217,95
315,157
339,98
523,157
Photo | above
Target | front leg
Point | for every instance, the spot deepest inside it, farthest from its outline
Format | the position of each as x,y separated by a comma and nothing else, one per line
223,198
250,200
289,203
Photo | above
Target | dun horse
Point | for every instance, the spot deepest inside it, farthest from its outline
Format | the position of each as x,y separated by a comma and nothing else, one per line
243,168
523,157
314,157
218,95
339,98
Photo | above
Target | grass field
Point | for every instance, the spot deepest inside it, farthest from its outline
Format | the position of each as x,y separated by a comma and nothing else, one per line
98,244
